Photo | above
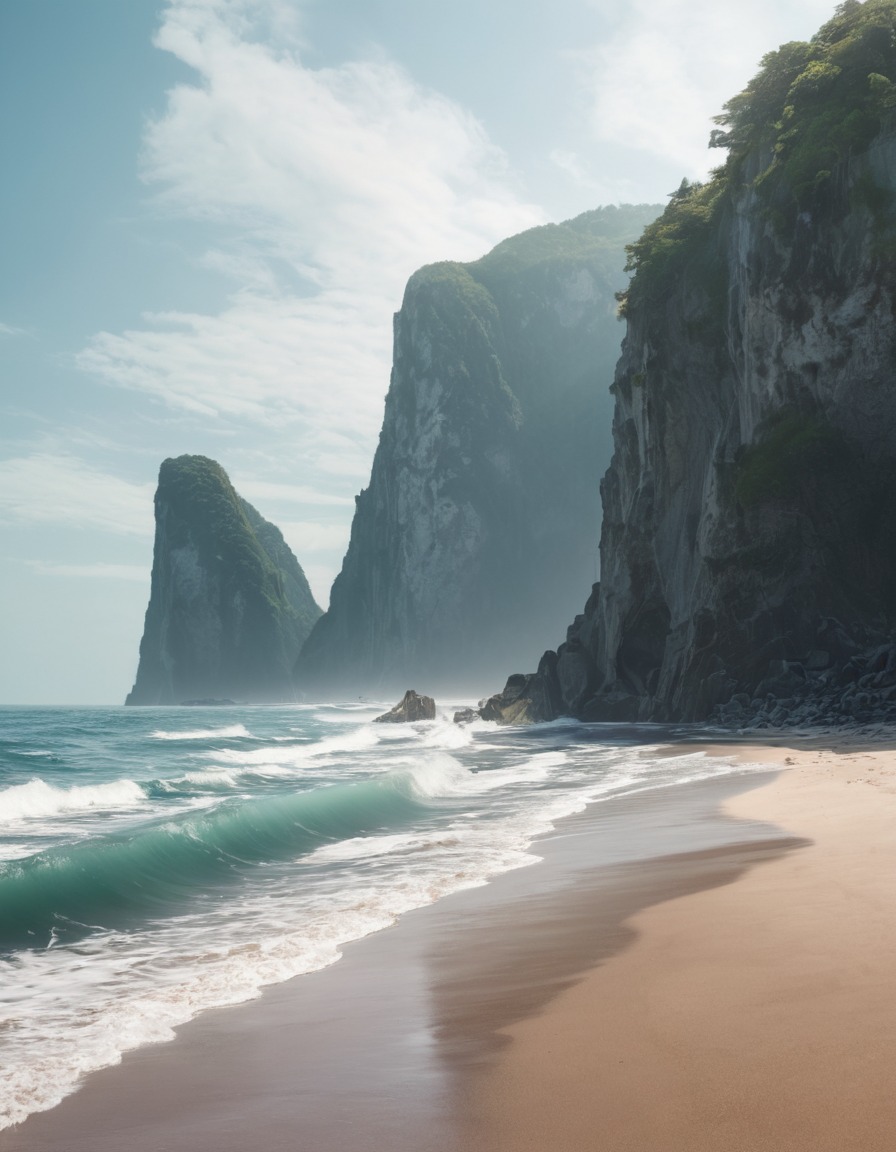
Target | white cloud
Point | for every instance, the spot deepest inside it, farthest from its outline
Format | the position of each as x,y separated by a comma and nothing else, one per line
326,188
99,571
310,364
244,266
667,67
45,488
7,330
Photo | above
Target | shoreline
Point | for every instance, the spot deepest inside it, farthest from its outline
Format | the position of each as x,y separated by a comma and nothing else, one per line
665,939
380,1049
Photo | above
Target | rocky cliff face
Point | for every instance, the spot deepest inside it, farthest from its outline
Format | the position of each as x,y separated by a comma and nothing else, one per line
748,548
229,606
471,544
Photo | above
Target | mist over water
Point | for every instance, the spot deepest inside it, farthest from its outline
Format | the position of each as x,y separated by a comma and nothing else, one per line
157,862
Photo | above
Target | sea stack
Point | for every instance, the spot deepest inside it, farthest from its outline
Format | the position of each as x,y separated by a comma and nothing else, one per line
229,605
478,530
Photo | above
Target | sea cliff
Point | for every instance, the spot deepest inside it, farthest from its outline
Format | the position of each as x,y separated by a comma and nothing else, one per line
748,543
478,529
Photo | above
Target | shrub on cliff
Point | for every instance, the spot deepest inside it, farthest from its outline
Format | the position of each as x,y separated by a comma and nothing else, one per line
809,107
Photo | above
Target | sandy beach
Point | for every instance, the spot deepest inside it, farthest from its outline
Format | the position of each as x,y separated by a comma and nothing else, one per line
719,975
761,1015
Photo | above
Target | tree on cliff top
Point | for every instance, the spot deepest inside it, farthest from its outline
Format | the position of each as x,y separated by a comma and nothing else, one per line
810,106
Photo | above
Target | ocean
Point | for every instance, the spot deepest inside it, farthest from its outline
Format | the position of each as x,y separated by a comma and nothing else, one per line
158,862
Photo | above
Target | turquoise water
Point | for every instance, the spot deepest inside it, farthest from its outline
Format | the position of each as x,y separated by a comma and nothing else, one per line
156,862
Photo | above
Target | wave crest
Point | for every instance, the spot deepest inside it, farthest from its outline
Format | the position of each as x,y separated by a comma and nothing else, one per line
230,732
39,799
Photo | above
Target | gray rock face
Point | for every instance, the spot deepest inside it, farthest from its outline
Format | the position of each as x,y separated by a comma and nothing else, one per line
747,502
472,542
409,708
229,605
527,698
748,547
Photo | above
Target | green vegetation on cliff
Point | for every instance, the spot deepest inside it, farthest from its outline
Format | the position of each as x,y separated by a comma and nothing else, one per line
682,240
580,240
792,446
208,510
811,105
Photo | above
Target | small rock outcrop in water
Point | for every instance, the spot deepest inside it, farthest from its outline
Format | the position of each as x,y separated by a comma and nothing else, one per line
410,707
229,605
748,547
477,532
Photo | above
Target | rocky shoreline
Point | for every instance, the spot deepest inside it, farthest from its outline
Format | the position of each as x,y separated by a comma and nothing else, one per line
861,691
859,688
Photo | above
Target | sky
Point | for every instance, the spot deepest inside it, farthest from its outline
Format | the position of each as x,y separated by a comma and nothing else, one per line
210,209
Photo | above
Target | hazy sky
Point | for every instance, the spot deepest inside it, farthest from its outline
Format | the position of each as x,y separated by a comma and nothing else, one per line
209,212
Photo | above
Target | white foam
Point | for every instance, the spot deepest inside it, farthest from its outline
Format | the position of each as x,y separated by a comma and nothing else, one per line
207,778
39,799
369,847
438,775
360,713
446,734
296,754
230,732
16,850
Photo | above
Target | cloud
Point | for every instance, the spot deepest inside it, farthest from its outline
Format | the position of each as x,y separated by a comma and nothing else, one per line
99,571
270,362
8,330
325,189
45,488
667,67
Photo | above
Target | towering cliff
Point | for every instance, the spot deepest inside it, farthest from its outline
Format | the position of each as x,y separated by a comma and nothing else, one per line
229,605
478,529
748,548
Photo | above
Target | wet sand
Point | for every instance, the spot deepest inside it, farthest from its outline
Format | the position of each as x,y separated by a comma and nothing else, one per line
417,1041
